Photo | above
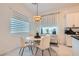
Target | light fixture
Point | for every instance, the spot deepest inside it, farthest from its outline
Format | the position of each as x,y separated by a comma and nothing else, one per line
37,17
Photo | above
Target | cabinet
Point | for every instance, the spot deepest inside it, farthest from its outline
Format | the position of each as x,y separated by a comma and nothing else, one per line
68,40
72,19
75,47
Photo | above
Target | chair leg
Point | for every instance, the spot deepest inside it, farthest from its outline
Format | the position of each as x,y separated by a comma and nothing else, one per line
31,49
42,52
22,52
36,51
49,51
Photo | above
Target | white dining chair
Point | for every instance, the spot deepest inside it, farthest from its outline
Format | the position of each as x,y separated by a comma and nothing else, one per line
23,45
44,44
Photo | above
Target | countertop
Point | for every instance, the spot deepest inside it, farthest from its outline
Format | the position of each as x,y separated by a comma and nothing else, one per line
75,36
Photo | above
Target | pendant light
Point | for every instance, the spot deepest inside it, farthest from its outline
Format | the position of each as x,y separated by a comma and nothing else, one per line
37,17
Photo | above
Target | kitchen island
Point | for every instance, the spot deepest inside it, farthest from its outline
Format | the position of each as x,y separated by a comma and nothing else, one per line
75,44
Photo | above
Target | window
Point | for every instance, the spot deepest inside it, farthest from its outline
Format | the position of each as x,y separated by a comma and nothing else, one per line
48,30
18,26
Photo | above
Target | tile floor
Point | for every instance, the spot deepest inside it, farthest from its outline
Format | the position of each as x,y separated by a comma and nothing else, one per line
60,50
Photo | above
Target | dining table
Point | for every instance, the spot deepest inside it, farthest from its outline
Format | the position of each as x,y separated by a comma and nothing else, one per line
32,41
31,38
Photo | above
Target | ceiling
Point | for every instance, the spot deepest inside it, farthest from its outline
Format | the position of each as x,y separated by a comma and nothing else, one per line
46,7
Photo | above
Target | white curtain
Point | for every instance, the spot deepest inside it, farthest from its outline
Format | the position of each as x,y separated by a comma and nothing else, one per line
50,20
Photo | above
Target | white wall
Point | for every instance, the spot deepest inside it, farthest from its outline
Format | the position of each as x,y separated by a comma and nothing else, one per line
60,23
8,42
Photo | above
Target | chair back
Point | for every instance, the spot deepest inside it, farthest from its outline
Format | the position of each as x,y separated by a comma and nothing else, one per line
31,34
22,42
45,42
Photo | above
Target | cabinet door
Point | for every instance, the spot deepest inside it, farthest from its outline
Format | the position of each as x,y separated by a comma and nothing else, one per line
72,19
68,40
75,46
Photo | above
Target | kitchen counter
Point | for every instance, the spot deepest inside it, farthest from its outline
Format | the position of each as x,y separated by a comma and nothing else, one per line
75,36
75,44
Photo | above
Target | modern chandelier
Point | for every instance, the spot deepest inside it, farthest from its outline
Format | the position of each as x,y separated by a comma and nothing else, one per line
37,17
